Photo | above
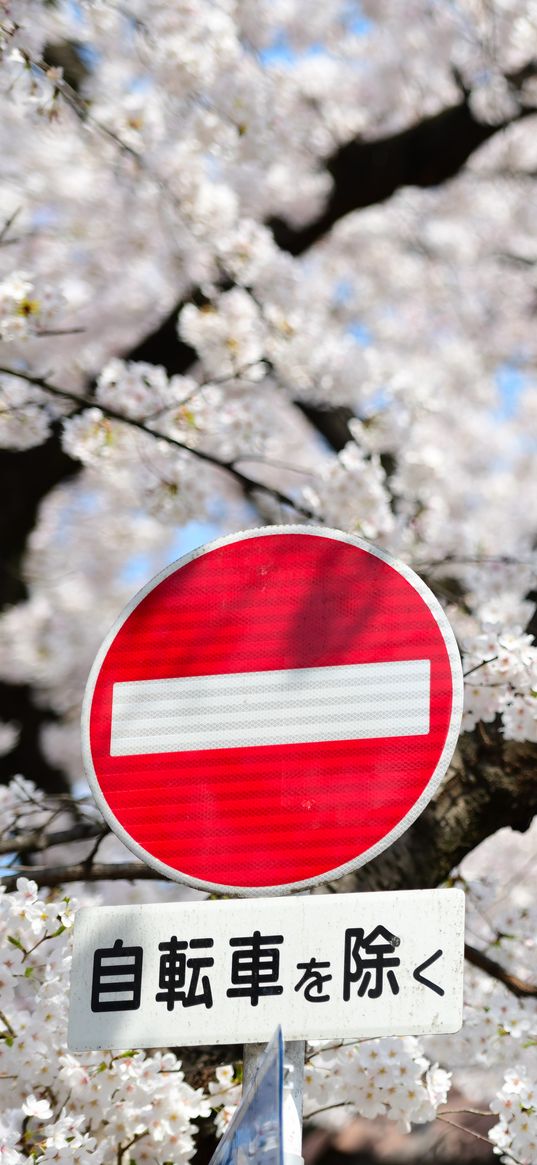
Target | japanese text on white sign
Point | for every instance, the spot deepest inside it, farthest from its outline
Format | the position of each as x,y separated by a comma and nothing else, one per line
225,972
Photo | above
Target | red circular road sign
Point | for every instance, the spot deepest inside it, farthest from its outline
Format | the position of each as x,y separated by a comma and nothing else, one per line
272,710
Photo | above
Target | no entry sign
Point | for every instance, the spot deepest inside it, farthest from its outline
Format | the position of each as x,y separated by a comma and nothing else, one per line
272,710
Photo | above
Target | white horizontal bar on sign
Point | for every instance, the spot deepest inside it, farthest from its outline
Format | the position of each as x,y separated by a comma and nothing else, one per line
292,706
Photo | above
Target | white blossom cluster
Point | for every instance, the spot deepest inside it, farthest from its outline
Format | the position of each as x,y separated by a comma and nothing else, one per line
26,308
495,1052
351,492
498,1042
229,337
59,1107
55,1106
25,414
138,390
385,1077
36,87
502,679
49,640
161,479
515,1136
378,1077
225,1092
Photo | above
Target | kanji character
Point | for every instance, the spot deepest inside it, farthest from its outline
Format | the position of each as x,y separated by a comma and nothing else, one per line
173,974
255,970
379,960
117,978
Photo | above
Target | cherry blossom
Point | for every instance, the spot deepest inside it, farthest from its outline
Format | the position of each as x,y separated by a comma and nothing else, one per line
191,300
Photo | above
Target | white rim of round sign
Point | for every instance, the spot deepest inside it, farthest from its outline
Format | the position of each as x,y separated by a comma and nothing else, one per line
428,792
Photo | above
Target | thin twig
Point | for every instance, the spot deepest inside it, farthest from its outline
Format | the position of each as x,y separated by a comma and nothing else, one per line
60,332
122,1149
52,876
340,1044
175,407
258,458
81,109
10,1030
478,665
248,483
474,560
9,223
464,1129
37,841
327,1108
477,1136
89,860
79,106
463,1111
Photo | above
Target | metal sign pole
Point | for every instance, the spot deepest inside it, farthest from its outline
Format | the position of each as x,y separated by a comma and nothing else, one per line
293,1090
293,1098
294,1052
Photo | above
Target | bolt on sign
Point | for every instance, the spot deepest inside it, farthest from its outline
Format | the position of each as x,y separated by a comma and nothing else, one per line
272,711
329,966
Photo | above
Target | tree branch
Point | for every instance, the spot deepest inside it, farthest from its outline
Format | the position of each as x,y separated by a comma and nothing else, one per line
90,871
515,985
248,483
37,841
85,871
366,173
331,423
491,783
17,705
26,476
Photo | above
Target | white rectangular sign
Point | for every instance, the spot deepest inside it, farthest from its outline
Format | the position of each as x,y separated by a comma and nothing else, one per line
322,966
